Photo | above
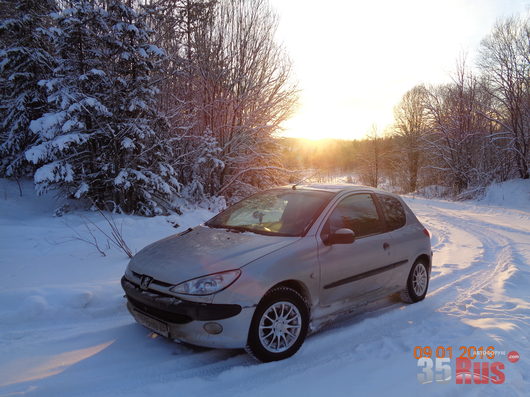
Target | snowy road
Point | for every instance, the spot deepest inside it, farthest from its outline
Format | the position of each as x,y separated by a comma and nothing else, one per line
64,329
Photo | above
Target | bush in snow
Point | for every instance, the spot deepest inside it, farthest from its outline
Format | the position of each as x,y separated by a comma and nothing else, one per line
103,138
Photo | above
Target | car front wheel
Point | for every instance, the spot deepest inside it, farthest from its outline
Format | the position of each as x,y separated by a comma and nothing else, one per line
279,325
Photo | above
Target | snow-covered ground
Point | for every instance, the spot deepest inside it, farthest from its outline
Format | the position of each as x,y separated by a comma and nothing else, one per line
64,329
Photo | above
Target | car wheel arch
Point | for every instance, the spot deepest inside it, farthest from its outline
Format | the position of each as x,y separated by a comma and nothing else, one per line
425,259
296,285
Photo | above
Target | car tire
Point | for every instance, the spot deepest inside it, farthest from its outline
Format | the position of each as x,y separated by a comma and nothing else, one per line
417,283
279,325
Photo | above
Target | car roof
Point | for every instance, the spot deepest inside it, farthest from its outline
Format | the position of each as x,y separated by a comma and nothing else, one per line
336,188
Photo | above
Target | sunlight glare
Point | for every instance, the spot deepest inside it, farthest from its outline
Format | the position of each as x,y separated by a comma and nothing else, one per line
355,59
33,368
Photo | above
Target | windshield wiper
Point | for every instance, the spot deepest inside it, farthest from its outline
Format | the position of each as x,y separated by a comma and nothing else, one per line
241,229
267,233
235,229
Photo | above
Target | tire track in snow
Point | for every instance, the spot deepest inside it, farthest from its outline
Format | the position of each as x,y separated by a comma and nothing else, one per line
504,263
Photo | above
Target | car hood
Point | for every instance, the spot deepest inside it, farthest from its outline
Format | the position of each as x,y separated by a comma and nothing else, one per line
203,251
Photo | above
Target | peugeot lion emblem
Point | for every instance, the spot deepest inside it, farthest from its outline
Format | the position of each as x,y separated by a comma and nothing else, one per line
145,281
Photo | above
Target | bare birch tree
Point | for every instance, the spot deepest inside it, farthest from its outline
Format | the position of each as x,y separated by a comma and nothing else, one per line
410,127
505,64
457,131
226,90
243,92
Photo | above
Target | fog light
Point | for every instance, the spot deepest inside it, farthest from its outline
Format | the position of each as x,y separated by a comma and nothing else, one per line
213,328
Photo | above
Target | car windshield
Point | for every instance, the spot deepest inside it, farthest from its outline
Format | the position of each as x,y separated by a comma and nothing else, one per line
278,212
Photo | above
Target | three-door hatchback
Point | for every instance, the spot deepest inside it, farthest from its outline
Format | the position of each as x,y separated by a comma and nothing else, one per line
278,264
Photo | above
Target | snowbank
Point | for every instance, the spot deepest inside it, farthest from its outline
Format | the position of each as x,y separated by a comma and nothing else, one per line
49,275
510,194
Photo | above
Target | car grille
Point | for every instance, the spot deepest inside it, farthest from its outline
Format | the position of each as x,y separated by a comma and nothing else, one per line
164,315
154,281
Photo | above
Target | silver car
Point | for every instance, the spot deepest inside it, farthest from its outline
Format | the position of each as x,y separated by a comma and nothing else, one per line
277,265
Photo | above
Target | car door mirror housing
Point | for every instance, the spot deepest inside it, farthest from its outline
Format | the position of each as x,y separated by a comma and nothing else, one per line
341,236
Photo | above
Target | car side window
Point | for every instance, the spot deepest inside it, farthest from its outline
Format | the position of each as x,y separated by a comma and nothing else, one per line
356,212
393,211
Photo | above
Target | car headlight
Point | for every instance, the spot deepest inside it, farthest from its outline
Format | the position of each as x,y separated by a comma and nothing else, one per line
207,285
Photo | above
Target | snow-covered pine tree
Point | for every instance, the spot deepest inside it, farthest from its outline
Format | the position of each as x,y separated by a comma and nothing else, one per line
104,139
69,135
203,161
24,61
146,177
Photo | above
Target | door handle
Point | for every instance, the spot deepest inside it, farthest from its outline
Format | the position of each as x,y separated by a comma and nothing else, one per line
386,246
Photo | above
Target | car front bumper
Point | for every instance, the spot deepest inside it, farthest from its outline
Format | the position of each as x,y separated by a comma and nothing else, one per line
185,321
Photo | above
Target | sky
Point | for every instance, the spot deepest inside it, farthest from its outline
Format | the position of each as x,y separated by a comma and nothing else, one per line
354,60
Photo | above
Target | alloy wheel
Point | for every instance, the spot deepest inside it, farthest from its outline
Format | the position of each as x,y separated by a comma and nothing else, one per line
280,326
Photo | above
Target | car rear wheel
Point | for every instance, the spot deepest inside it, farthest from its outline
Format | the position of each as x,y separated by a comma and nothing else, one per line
417,283
279,325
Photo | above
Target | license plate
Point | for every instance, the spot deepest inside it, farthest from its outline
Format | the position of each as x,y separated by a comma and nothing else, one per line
153,324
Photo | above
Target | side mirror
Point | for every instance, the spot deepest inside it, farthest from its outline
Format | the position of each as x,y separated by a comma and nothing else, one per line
341,236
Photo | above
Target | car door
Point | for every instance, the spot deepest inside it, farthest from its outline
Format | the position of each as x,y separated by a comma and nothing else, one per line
354,271
403,237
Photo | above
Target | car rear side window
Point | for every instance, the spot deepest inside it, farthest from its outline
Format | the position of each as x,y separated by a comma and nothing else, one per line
393,211
358,213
